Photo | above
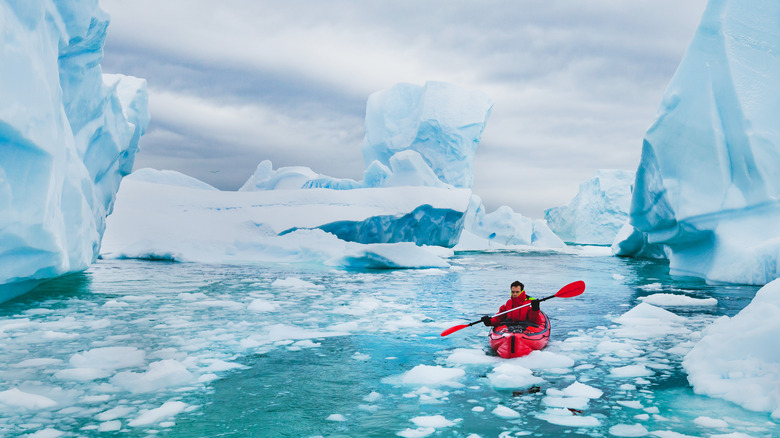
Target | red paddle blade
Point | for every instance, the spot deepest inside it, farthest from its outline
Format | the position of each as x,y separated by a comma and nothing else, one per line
571,290
453,329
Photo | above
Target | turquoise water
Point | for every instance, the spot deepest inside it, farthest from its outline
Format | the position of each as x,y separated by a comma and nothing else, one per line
293,350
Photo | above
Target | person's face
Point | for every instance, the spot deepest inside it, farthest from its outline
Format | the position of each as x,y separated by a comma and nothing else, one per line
516,291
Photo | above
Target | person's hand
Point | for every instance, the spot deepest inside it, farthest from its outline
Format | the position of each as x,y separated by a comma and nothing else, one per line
486,320
535,305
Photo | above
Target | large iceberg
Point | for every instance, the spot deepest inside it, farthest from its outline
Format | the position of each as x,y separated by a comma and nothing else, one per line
707,187
598,211
68,134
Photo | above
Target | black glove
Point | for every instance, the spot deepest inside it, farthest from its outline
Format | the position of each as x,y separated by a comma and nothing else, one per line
535,305
486,320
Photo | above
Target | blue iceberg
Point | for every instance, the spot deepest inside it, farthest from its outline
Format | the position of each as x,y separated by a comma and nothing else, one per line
68,134
706,189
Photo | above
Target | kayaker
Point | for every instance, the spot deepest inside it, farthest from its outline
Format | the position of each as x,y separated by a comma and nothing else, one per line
518,298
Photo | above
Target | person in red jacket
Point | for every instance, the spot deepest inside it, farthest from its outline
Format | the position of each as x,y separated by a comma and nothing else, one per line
518,298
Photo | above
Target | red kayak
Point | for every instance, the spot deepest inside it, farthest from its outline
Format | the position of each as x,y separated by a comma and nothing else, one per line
516,340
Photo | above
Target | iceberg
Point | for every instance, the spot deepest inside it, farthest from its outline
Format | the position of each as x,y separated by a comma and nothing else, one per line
178,219
68,134
597,212
441,122
503,229
706,186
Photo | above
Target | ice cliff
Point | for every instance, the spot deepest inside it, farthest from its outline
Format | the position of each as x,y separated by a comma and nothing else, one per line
706,187
598,211
68,134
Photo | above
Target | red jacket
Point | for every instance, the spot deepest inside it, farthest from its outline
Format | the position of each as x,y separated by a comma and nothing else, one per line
524,314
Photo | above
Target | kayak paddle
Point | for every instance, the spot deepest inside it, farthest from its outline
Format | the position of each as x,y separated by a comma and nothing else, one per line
568,291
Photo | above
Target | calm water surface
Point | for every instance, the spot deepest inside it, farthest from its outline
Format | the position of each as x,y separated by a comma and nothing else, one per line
295,350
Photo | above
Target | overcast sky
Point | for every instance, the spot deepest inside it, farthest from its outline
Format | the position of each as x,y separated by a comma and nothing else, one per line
232,83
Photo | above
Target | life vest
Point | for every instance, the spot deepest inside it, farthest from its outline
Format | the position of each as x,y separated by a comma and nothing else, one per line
519,315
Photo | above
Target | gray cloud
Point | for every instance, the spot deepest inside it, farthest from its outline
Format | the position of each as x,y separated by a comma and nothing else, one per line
232,83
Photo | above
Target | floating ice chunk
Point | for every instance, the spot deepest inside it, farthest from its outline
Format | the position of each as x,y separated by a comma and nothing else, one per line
168,410
109,358
630,371
435,421
428,395
159,375
15,398
373,397
478,409
628,430
47,433
565,417
110,426
361,356
566,402
674,300
416,433
542,360
259,305
512,376
646,321
647,314
336,417
296,283
578,389
633,404
470,356
220,365
710,422
670,434
36,363
114,413
505,412
431,376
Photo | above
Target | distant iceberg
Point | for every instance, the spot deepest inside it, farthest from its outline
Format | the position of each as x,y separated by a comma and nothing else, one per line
707,187
598,211
68,134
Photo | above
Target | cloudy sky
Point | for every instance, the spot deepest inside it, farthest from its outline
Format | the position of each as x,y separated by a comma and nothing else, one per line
232,83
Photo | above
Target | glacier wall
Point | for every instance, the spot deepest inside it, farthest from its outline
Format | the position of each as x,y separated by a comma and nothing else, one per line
707,187
68,134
